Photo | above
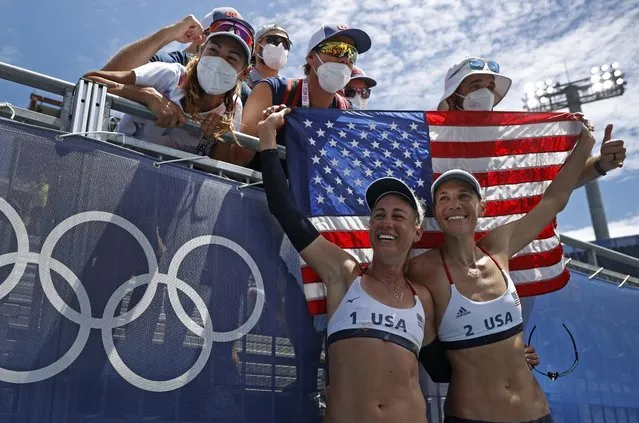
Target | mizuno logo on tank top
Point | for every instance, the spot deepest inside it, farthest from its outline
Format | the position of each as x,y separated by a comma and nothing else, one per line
360,315
468,323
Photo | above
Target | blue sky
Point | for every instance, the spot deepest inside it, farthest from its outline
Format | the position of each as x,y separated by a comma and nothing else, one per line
414,43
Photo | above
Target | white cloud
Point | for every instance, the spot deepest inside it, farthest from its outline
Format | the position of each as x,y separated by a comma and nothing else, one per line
619,228
9,54
416,41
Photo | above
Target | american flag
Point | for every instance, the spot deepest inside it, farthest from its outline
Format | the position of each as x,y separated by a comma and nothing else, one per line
333,155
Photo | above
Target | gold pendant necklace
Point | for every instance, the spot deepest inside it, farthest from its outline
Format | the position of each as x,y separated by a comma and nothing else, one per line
396,295
473,271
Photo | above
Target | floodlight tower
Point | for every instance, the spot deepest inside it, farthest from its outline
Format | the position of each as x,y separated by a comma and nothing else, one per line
605,81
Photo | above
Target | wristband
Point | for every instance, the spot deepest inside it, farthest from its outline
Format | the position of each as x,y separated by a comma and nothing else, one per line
598,168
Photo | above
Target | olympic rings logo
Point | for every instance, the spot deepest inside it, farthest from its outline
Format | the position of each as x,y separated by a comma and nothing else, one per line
85,320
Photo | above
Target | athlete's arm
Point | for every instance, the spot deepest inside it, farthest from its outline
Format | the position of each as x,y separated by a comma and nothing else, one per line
260,98
511,238
432,355
335,267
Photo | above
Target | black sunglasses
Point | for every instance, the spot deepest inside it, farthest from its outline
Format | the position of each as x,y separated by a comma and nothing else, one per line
352,92
277,39
554,375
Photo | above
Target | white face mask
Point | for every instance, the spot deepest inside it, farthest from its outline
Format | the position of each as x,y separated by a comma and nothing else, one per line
333,76
275,57
215,75
480,100
358,102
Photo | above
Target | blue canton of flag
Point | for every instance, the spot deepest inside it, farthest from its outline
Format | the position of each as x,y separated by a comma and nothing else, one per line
344,151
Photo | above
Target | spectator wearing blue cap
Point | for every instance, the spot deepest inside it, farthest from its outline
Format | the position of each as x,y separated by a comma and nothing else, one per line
477,84
358,89
207,89
272,46
186,31
332,52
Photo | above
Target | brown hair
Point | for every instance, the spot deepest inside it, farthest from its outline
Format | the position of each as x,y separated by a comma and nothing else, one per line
306,67
193,91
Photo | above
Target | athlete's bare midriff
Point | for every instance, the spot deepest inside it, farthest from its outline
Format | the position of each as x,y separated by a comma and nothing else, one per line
493,383
373,381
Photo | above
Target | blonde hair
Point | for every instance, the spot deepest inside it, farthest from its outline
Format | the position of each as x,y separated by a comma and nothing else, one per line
193,91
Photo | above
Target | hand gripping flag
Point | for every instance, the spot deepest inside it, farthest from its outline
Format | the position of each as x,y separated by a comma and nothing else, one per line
333,155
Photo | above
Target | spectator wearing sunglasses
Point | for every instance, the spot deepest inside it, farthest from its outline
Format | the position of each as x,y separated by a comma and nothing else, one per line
477,84
332,52
358,89
186,31
207,88
271,53
474,84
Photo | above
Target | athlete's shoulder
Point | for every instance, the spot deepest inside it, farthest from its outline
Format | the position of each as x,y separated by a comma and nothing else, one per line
425,261
422,291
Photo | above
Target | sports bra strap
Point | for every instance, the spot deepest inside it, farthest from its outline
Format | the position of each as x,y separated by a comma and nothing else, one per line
492,258
441,253
503,274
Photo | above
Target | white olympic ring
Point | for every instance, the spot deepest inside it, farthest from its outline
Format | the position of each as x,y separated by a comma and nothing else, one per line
108,321
29,376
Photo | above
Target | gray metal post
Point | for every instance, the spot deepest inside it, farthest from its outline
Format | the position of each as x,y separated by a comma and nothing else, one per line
595,203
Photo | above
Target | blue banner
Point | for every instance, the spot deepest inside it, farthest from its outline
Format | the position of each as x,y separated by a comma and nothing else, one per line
130,291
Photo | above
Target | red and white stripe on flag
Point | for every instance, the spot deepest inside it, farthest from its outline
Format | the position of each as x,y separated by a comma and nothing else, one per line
514,156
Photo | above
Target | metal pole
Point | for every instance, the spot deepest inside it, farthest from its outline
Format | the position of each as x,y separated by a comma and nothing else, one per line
593,193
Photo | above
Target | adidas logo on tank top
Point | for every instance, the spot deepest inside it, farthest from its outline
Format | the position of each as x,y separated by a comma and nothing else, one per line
462,312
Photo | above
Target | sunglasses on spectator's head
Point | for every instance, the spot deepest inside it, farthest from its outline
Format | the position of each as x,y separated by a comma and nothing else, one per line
234,27
554,375
481,64
338,49
276,40
352,92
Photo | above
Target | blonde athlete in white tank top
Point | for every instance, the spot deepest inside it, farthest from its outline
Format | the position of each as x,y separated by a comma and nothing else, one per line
378,321
490,379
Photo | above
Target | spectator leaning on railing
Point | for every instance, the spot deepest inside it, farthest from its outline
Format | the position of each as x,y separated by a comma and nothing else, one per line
272,45
476,83
332,52
188,30
206,89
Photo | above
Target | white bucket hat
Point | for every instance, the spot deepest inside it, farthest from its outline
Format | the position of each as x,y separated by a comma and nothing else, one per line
473,66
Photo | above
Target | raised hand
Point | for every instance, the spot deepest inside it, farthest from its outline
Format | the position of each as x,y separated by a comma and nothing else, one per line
188,30
273,118
612,152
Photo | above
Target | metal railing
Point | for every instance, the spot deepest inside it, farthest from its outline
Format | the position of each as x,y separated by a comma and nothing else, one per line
593,250
65,89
